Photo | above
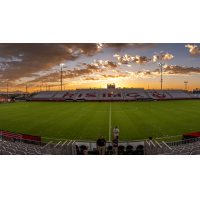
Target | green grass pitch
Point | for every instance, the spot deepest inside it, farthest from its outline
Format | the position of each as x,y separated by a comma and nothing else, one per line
88,120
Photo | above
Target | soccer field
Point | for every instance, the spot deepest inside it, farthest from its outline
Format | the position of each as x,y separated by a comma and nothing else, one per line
88,120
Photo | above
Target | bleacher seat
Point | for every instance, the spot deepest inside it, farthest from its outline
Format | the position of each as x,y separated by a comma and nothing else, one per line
88,94
44,95
197,152
179,94
16,148
111,94
3,152
196,95
131,94
158,94
63,95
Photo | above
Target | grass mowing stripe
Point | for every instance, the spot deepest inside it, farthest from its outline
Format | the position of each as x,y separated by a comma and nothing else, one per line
110,124
159,119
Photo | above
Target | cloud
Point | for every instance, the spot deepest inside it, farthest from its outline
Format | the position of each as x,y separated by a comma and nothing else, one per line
167,70
27,60
162,56
170,70
126,59
120,46
195,50
110,64
140,60
24,60
90,69
180,70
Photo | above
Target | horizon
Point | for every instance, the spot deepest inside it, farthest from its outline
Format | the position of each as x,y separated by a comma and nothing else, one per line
93,65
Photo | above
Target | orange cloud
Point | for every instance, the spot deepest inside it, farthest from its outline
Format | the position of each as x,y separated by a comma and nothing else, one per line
193,49
162,56
126,59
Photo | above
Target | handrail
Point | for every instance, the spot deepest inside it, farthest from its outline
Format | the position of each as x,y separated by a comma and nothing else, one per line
74,148
152,147
68,147
54,149
47,145
58,144
146,144
64,145
158,144
164,144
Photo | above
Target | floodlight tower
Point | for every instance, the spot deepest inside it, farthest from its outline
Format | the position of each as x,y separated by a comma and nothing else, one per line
161,66
186,82
7,88
26,88
61,65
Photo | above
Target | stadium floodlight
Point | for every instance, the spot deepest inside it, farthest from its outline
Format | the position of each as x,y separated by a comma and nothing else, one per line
61,65
186,82
161,66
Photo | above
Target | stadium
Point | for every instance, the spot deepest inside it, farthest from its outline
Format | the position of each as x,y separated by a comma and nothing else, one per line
95,102
70,122
81,79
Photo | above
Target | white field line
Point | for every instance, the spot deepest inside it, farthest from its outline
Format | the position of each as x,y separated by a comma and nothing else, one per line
53,138
165,137
110,124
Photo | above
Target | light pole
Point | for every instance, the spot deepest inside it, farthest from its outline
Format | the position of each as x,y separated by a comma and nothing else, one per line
186,82
161,65
7,88
61,65
26,88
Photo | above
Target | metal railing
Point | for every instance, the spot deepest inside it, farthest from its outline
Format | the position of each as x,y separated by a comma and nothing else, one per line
64,148
58,149
182,142
74,148
149,148
166,147
69,147
159,149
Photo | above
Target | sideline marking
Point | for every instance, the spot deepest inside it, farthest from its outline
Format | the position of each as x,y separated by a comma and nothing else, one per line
165,137
54,138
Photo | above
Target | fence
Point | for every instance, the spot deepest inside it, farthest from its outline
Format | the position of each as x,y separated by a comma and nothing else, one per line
149,148
64,148
166,147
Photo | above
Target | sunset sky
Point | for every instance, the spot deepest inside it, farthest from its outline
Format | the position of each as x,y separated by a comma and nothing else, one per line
96,64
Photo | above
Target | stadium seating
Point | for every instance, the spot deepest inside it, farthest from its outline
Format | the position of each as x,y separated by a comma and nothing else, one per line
185,147
196,95
63,95
45,95
131,94
111,94
16,148
158,94
88,94
179,94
